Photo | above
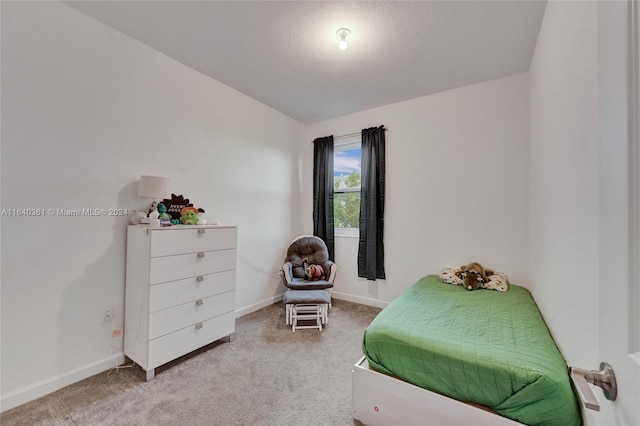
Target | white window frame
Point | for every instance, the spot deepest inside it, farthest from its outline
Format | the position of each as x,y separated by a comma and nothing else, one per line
355,142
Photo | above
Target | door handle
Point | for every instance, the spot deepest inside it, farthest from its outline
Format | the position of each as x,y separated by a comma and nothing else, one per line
605,378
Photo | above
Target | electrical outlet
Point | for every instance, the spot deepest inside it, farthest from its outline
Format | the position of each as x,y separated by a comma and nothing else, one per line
108,316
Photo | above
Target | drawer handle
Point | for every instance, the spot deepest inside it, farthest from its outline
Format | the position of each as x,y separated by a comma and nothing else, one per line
201,231
199,302
199,278
201,254
199,326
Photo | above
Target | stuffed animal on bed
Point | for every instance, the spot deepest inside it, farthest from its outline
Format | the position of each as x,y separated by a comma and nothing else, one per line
312,272
495,281
474,275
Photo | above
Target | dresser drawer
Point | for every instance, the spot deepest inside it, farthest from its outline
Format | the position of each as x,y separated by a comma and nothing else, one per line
171,319
174,345
174,293
171,268
167,242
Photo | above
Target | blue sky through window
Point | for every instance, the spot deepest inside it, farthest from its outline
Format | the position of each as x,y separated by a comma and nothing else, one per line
345,162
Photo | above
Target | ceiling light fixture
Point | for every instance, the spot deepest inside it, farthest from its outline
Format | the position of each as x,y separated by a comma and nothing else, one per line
343,33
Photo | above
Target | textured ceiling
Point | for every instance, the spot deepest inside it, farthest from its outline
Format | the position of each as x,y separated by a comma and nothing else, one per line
285,54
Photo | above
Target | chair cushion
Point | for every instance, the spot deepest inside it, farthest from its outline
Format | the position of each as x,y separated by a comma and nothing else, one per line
300,284
296,297
310,247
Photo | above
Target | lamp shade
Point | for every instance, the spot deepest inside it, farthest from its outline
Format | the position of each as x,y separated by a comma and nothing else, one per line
153,187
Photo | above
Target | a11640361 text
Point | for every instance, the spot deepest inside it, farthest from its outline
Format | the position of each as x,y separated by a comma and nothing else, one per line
62,212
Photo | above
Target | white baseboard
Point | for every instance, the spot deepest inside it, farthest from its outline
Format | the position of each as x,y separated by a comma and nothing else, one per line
359,299
336,294
37,390
240,312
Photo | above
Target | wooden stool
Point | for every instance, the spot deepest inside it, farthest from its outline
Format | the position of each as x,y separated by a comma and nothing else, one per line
305,305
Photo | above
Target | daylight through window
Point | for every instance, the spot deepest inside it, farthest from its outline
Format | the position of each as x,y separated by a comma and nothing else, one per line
346,181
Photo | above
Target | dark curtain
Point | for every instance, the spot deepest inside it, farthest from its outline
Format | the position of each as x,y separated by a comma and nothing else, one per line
371,246
323,192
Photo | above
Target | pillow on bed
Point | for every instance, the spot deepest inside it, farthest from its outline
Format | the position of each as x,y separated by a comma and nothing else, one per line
498,281
448,275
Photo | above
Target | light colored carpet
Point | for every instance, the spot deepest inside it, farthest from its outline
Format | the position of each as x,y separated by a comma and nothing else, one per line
267,376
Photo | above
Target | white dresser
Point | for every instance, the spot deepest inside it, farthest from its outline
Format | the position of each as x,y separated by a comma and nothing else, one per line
180,291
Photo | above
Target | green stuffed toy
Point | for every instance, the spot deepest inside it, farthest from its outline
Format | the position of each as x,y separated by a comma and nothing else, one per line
164,217
189,216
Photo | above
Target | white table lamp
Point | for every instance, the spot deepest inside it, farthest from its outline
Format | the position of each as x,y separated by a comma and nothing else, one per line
153,187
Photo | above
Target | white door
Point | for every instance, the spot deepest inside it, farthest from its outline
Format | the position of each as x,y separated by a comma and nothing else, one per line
619,258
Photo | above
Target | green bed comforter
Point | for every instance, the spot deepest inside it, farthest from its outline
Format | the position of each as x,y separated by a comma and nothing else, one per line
483,346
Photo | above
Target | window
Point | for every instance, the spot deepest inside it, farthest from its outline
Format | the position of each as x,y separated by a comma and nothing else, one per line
346,180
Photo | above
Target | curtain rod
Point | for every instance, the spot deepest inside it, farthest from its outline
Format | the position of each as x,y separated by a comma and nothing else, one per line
348,135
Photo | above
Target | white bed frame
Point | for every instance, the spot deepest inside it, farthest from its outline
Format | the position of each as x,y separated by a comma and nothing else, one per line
383,400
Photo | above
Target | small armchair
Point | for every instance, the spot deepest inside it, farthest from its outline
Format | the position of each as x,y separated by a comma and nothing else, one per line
315,251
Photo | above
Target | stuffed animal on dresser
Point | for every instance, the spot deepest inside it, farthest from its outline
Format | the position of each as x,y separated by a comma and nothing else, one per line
473,275
189,216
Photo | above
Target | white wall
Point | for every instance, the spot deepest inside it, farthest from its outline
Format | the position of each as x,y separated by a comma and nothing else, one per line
456,188
85,112
564,177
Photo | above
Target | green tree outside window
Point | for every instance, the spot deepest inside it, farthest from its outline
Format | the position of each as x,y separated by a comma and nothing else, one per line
346,201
